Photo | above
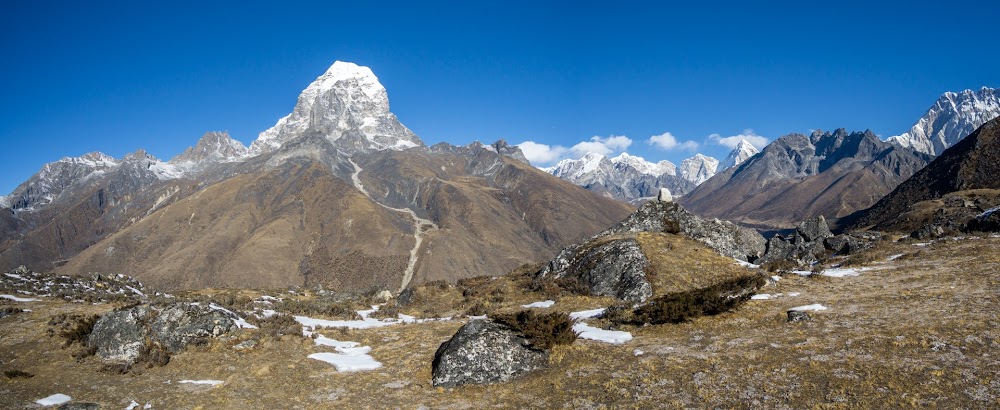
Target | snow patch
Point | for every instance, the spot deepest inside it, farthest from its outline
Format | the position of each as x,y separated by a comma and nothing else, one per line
813,307
842,272
761,296
545,304
585,331
206,382
54,400
17,299
240,322
586,314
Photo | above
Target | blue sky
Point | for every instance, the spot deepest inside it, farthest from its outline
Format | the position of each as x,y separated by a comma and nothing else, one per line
115,76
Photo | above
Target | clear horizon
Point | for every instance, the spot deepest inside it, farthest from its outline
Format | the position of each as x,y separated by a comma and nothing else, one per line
575,75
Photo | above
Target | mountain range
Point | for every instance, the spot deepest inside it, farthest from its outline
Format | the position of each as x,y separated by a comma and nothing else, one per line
630,178
950,119
338,193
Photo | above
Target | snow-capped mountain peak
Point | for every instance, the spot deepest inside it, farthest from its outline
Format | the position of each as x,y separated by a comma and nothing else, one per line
213,147
743,151
349,107
951,118
698,168
643,166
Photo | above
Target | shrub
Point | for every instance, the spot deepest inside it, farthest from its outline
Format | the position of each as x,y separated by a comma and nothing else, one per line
543,330
154,354
279,325
72,327
17,374
683,306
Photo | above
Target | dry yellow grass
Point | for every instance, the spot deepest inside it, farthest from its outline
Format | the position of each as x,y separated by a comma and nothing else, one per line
920,331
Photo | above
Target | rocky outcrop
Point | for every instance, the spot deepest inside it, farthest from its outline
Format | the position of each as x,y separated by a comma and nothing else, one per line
725,237
123,335
484,352
812,241
652,261
988,221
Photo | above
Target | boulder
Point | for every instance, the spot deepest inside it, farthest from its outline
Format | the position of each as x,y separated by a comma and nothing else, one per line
930,231
615,268
483,352
664,195
123,335
813,230
988,221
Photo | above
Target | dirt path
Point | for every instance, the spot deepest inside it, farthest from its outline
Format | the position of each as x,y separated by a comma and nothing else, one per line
418,224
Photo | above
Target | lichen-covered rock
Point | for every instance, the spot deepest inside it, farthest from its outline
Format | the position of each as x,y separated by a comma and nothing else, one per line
484,352
123,335
615,268
181,324
120,335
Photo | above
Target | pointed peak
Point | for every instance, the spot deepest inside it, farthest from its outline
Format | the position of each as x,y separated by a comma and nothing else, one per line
349,74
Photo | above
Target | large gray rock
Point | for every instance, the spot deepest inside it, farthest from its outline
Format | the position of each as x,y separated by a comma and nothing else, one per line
484,352
815,229
122,335
615,268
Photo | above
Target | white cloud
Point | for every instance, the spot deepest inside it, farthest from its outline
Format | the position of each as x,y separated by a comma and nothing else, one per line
757,141
539,154
544,154
667,141
603,146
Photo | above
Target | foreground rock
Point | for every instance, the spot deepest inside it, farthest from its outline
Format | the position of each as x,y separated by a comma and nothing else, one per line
126,335
483,352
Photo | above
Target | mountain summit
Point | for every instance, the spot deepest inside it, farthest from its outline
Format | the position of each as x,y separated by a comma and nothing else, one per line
743,151
950,119
349,107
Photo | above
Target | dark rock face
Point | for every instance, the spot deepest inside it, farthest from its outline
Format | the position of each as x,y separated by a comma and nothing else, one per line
988,221
725,237
815,229
484,352
615,268
122,335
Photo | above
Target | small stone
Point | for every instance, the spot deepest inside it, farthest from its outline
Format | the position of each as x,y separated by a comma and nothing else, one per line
798,316
664,195
246,345
383,296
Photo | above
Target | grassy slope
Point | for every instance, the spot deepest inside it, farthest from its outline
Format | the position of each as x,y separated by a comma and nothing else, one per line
920,331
